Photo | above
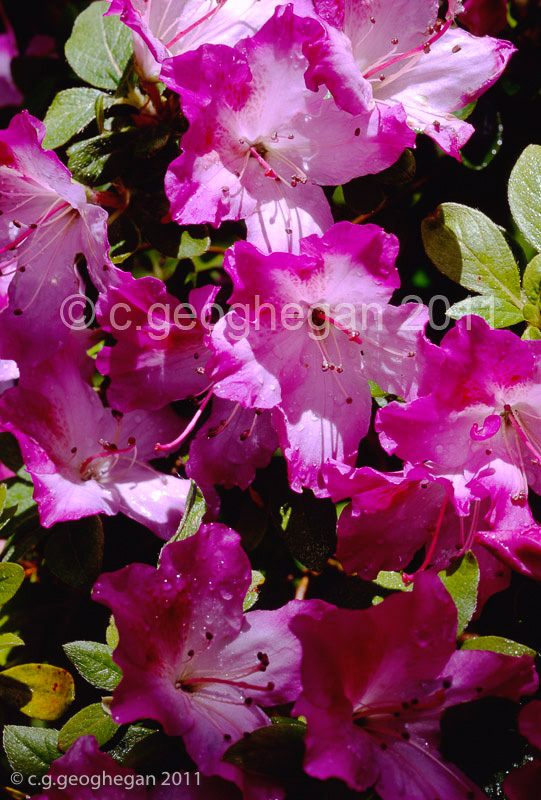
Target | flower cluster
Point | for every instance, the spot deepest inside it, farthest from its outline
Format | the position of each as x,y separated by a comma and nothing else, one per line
278,102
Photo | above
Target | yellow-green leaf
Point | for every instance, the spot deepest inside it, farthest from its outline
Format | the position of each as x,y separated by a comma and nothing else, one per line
38,690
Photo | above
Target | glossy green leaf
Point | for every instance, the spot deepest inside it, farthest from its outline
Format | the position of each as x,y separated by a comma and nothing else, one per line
99,48
525,194
11,577
111,634
9,640
74,552
100,159
195,510
498,645
469,248
38,690
461,580
495,310
531,333
258,579
70,112
94,662
308,527
531,280
275,750
190,247
90,721
30,751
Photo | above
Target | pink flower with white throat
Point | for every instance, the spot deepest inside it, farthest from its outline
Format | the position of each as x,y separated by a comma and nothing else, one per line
45,222
306,333
162,29
268,167
401,54
190,657
85,459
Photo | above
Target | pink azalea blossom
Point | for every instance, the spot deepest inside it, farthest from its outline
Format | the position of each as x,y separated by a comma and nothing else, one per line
162,29
376,682
305,334
9,373
9,94
85,459
268,167
46,221
160,353
231,445
393,515
525,783
399,54
190,657
482,419
85,773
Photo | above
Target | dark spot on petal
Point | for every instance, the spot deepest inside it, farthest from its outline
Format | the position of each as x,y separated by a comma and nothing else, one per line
248,701
357,131
383,746
446,684
405,735
227,737
209,635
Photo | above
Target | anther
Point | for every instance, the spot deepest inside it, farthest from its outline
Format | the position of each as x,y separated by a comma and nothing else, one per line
456,48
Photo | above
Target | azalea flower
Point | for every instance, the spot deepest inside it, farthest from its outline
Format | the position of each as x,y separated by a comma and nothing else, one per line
376,682
401,54
162,29
482,418
160,354
86,459
85,773
306,332
392,516
260,145
231,445
45,222
190,658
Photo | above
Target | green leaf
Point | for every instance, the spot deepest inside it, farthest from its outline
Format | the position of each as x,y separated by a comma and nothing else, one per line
276,750
497,312
195,510
99,48
90,721
461,580
469,248
525,194
70,112
94,662
258,579
9,640
74,552
30,750
531,280
190,247
498,645
100,159
38,690
531,333
124,237
11,577
111,634
308,526
135,744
